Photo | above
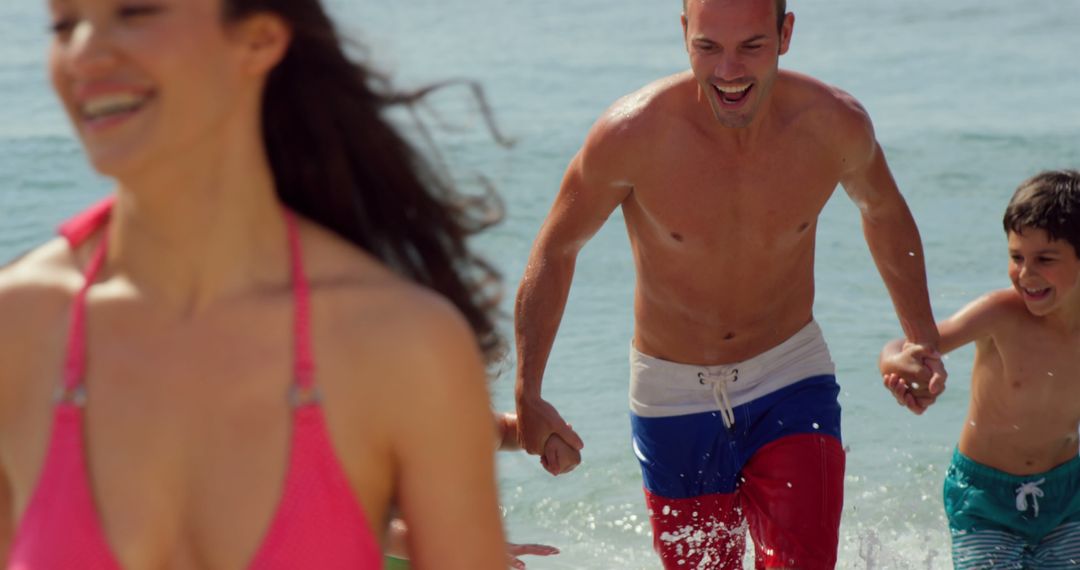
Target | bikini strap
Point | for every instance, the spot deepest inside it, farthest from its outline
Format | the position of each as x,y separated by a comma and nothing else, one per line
303,391
77,229
75,359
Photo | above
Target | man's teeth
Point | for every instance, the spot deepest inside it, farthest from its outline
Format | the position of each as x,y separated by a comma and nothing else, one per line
732,89
1035,292
111,105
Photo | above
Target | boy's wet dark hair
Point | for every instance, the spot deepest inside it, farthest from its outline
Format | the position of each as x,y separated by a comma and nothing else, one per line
1049,201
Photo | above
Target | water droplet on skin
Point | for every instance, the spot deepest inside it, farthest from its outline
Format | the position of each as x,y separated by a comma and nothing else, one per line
911,254
1049,373
972,423
914,385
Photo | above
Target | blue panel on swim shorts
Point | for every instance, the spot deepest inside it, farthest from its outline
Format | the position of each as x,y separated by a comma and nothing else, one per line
693,455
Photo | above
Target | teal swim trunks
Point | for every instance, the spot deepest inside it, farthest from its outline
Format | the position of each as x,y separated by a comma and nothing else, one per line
1004,521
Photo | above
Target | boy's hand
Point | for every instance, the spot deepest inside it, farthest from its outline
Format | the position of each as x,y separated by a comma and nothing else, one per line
914,374
513,551
917,403
559,457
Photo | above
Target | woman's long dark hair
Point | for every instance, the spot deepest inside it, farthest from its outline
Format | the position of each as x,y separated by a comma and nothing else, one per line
337,160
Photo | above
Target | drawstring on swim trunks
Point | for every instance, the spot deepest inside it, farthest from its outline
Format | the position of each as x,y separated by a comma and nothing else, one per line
1029,489
718,381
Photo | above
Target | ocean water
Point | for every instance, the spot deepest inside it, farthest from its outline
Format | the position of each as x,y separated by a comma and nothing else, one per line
969,97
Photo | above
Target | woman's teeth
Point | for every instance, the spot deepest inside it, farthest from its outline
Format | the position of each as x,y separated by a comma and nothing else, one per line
107,105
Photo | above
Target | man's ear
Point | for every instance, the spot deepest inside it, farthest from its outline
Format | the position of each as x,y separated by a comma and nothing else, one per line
785,32
685,28
264,40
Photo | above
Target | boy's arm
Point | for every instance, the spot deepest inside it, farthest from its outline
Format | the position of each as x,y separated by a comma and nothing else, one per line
905,365
506,432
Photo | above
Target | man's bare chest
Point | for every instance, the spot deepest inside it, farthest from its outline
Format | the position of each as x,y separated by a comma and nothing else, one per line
721,200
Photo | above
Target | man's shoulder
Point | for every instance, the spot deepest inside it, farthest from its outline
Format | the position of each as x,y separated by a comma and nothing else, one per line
817,104
649,107
808,93
828,115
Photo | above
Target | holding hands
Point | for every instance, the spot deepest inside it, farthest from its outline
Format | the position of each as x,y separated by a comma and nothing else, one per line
542,431
913,373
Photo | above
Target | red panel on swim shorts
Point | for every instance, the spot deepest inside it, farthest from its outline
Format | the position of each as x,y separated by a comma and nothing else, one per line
702,532
792,494
790,498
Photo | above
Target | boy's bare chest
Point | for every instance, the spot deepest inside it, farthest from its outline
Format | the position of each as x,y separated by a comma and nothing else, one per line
1043,370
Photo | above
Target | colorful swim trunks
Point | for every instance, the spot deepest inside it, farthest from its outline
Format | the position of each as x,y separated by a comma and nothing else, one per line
749,446
1004,521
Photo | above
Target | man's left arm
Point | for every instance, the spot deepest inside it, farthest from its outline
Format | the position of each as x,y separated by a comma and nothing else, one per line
892,236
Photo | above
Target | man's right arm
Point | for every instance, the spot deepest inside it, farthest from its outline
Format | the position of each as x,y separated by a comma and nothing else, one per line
594,185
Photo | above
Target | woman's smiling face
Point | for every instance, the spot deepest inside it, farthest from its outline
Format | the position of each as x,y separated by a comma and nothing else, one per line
144,80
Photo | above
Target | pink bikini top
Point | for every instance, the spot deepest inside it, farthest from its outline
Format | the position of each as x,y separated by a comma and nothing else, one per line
318,522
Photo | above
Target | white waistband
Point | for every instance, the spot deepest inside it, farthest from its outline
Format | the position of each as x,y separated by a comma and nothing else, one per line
660,388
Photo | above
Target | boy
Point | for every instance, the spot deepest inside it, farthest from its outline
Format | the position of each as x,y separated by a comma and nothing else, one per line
1012,493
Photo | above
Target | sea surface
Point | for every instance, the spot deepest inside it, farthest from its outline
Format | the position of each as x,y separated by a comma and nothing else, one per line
969,97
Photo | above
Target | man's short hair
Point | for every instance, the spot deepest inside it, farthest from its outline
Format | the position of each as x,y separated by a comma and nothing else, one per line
1049,201
781,11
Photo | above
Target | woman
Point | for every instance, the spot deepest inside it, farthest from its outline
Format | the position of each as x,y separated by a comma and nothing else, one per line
248,363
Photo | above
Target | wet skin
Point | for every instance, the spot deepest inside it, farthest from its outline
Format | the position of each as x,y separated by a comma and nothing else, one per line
721,195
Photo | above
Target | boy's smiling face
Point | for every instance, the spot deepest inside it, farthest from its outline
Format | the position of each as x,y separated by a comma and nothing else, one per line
1045,272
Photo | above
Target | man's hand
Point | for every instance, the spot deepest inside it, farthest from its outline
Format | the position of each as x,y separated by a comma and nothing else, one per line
538,421
559,457
915,375
513,551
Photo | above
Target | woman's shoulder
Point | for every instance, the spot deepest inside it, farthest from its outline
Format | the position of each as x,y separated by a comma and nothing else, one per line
36,291
37,283
394,358
372,314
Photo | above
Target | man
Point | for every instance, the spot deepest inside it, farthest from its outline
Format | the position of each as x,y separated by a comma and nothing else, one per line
721,173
